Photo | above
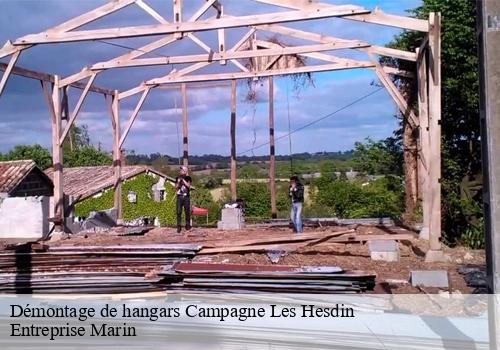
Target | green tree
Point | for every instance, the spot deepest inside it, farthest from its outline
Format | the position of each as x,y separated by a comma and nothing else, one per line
460,103
384,157
39,154
78,151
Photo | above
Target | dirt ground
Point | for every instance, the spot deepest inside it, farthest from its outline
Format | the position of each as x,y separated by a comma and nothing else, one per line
392,277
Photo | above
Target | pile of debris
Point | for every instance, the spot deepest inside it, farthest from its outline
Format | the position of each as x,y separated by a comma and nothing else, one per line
475,276
234,278
35,268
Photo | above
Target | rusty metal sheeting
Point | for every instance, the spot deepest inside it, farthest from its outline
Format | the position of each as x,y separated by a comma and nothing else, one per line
265,278
93,269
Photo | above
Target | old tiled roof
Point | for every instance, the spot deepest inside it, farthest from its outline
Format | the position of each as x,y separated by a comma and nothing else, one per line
83,182
13,172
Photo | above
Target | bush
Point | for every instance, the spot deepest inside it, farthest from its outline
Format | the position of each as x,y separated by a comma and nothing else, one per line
345,199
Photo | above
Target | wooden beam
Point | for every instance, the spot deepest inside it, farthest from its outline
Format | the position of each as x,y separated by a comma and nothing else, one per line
72,24
341,43
395,93
272,152
178,16
423,164
117,162
221,37
216,56
435,252
188,69
376,16
133,116
245,75
151,11
50,78
185,146
77,108
141,50
234,195
8,71
205,25
57,156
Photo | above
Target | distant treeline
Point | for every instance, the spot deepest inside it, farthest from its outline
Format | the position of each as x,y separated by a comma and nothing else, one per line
223,161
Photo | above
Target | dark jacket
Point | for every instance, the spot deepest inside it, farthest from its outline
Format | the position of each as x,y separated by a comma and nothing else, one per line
297,194
180,188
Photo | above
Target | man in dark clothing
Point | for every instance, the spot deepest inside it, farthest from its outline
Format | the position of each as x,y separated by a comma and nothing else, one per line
296,192
182,189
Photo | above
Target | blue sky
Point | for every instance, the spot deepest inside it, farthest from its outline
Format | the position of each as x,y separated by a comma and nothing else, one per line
24,118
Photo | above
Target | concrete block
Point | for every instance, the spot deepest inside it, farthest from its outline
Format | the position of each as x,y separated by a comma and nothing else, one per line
385,256
24,217
436,278
383,246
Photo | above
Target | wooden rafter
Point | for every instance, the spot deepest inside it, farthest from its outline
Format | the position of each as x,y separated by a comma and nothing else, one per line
73,23
205,25
320,38
376,16
85,73
290,50
188,69
257,74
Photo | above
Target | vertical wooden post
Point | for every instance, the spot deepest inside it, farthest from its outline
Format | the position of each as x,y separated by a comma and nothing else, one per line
185,156
435,253
233,140
272,160
424,154
117,161
178,16
57,157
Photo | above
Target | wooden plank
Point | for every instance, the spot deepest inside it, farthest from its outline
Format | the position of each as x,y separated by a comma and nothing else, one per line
423,165
346,239
219,56
233,140
435,130
133,116
178,16
185,146
58,203
205,25
272,156
77,108
8,71
117,163
278,238
245,75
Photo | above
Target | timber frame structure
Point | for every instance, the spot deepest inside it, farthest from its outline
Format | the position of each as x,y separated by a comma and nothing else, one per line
427,58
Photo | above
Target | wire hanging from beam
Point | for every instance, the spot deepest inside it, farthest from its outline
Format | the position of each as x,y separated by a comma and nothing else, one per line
314,121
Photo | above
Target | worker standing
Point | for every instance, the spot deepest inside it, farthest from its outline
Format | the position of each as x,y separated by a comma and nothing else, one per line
296,193
183,189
